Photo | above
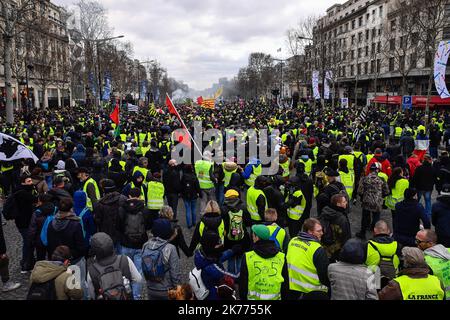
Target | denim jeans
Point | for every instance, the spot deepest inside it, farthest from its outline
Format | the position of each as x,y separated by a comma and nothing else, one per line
220,194
365,220
191,207
27,255
234,264
434,152
427,196
136,256
172,201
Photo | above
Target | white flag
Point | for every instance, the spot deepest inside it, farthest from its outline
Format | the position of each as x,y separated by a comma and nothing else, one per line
12,149
132,108
315,85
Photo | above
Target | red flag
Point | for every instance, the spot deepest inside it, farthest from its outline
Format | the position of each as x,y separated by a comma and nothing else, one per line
200,100
115,115
171,107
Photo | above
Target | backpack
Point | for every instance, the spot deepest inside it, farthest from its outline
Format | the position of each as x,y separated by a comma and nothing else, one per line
153,266
109,280
197,285
42,291
236,226
386,265
273,237
44,229
135,226
10,208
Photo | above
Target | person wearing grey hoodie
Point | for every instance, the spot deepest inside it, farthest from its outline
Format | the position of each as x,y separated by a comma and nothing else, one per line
104,255
436,255
162,231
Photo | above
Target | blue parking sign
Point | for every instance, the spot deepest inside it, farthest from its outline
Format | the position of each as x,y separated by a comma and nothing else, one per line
407,102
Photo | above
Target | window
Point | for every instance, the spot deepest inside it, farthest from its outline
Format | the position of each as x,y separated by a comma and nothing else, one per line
413,60
379,32
391,64
353,24
393,25
367,51
359,69
344,55
428,59
373,15
367,17
380,11
372,66
360,37
367,35
392,44
344,71
378,65
353,39
401,62
379,47
352,70
366,68
359,52
374,33
360,21
353,54
373,48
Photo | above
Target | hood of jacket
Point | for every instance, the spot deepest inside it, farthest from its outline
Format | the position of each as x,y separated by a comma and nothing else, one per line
80,148
155,242
383,238
331,212
211,220
60,222
234,204
438,251
102,247
265,248
201,261
59,193
133,206
136,175
111,198
79,201
307,237
46,270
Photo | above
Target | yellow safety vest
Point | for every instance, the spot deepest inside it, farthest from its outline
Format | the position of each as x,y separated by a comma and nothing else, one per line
308,166
285,168
303,275
350,159
428,288
122,164
227,175
252,196
397,194
220,230
257,171
6,168
155,195
97,192
376,252
441,269
296,212
202,169
280,236
348,180
264,276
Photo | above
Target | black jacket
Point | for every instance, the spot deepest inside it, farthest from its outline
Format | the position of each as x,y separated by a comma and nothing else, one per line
337,230
172,180
25,200
323,198
132,207
212,222
59,194
406,221
275,200
234,205
37,221
441,219
155,160
106,214
66,231
424,177
190,186
265,249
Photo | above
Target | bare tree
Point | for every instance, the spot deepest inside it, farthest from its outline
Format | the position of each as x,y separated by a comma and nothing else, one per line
16,17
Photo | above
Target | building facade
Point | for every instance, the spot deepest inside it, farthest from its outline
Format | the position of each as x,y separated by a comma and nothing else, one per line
372,48
40,58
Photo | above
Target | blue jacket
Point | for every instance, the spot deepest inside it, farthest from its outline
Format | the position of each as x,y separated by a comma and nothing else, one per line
406,221
440,213
249,168
87,221
213,271
80,154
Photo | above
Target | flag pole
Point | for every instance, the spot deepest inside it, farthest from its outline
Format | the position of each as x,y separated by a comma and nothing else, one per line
184,126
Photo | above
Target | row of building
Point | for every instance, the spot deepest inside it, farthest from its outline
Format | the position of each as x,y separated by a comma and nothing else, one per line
365,45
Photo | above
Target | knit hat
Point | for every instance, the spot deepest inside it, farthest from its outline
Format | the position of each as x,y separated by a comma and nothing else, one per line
261,231
162,229
108,185
353,252
231,193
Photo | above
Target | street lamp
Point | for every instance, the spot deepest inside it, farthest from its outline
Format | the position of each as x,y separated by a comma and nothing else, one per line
97,41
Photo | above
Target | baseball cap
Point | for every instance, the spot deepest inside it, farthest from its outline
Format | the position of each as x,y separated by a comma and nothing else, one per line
231,193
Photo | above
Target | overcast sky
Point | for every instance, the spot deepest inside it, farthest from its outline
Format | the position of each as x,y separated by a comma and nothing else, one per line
200,41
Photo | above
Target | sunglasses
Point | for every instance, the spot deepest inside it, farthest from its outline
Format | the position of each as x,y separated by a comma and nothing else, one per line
420,241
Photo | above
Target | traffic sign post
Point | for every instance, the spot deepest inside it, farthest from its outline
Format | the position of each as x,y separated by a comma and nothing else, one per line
407,102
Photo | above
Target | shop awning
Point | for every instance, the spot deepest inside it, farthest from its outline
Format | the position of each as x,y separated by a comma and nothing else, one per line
418,101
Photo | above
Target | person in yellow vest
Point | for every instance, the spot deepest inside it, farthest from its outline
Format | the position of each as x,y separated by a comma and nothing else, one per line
398,131
256,200
350,157
89,186
436,255
204,169
295,204
285,163
211,220
251,171
308,163
347,178
155,193
117,156
397,185
263,270
137,181
231,175
7,177
308,263
414,282
383,252
142,167
277,233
